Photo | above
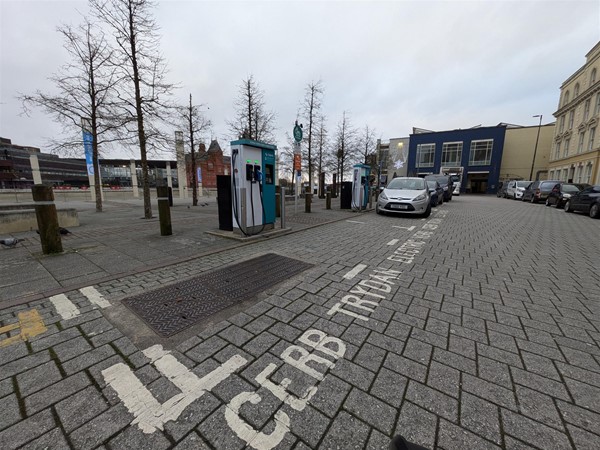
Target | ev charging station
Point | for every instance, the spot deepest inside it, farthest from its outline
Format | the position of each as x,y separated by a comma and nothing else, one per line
360,186
253,186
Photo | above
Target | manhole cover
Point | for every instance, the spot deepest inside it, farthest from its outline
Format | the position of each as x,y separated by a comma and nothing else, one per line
174,308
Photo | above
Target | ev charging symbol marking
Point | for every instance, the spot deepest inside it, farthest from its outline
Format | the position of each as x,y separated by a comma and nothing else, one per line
151,415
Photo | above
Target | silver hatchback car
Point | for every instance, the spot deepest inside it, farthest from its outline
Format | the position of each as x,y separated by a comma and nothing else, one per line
405,195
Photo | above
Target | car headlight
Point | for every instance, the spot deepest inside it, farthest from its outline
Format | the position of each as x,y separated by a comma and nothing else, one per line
418,198
445,188
566,195
383,196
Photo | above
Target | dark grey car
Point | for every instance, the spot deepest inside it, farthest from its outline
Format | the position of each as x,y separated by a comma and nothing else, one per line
446,184
538,190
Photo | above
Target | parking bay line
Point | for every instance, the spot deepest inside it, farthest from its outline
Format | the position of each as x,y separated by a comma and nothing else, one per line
354,221
357,269
393,242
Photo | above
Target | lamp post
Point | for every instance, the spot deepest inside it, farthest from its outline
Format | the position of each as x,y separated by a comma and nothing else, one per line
536,145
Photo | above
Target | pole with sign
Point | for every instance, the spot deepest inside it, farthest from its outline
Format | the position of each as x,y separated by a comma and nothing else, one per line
297,162
88,140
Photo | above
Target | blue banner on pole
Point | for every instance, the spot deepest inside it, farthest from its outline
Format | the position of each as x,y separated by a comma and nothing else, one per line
199,175
88,139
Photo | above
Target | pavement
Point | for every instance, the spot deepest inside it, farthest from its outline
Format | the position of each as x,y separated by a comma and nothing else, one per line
478,327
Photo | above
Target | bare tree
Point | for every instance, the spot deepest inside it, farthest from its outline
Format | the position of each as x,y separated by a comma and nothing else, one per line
196,123
311,107
321,143
146,97
252,120
344,145
86,88
367,143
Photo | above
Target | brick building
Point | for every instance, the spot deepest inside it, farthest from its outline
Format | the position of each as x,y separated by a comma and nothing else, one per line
210,163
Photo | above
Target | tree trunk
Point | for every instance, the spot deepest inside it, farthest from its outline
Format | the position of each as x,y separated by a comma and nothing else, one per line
193,158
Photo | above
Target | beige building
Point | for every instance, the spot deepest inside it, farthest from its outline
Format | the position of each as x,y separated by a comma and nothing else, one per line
575,154
519,148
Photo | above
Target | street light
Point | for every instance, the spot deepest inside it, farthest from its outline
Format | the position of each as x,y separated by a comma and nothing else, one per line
536,144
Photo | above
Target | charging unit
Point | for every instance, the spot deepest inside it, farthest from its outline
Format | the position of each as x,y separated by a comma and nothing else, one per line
360,186
252,186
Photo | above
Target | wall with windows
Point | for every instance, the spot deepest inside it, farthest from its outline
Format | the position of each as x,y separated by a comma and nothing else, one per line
519,148
477,150
575,152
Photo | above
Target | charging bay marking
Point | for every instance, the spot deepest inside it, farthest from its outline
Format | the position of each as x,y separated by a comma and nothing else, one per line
173,308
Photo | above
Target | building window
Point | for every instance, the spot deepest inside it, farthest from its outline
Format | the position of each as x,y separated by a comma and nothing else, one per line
565,174
566,148
578,174
593,76
571,119
580,145
591,138
562,124
481,152
576,91
566,98
551,175
557,150
451,153
597,107
425,155
586,110
588,173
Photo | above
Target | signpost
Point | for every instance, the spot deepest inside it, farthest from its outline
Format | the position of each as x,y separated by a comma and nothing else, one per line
297,162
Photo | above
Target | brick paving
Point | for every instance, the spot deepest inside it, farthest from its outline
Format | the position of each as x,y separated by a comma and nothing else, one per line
478,328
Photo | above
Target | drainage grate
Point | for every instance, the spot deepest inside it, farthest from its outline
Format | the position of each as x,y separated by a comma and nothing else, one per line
174,308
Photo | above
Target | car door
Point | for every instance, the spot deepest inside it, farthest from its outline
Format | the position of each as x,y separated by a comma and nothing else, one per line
554,194
582,200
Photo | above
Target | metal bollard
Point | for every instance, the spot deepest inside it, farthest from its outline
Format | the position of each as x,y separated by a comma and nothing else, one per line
307,201
47,219
282,209
328,200
164,212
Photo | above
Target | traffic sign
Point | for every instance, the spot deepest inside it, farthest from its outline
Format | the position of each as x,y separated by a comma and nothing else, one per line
297,161
298,132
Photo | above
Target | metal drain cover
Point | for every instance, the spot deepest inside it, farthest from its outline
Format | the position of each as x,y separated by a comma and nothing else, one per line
173,308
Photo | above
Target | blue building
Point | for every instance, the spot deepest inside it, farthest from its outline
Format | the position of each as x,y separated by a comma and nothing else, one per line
477,150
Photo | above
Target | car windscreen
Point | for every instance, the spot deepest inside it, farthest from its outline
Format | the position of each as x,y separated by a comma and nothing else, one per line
523,184
570,188
547,185
432,184
442,179
407,183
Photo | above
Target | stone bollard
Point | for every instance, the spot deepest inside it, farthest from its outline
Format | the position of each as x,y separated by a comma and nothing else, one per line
328,200
47,219
164,212
307,202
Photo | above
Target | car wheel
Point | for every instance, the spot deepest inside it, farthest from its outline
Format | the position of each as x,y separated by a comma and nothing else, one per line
547,202
441,200
568,206
427,212
533,200
377,210
595,211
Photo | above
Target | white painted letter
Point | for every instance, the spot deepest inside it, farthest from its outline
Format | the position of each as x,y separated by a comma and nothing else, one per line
301,362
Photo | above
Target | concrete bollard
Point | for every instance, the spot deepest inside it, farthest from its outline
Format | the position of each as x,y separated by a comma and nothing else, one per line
47,219
277,201
307,202
328,200
164,212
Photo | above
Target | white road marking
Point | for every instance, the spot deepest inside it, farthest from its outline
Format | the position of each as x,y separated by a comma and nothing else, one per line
357,269
393,242
95,297
64,307
151,415
405,228
353,221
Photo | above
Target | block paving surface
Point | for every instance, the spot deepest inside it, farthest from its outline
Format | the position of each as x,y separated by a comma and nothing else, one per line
478,327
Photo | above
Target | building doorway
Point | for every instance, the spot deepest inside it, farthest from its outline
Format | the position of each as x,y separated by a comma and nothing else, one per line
477,183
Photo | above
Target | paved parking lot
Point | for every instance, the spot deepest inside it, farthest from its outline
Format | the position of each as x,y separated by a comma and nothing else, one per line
478,327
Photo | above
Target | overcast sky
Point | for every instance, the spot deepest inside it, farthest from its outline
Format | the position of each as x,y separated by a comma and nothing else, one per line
391,64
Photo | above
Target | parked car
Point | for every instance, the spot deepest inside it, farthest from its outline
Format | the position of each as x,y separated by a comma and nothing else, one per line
405,195
501,192
561,192
586,200
516,188
538,190
436,192
446,184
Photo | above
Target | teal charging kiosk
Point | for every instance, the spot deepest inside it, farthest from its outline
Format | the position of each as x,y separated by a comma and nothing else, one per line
253,186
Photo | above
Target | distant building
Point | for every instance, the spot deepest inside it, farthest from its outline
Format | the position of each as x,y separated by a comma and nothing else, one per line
477,150
575,155
210,163
519,148
16,171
